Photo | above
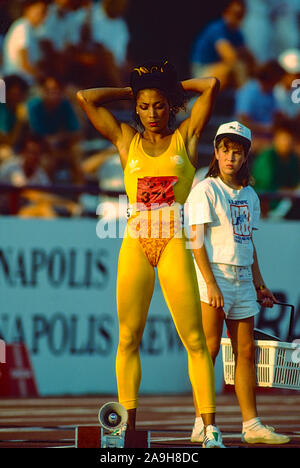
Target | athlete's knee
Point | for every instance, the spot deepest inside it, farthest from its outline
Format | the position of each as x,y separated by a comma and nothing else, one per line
196,343
129,340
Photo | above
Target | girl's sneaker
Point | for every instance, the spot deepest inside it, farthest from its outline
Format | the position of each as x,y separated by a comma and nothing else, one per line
212,438
264,435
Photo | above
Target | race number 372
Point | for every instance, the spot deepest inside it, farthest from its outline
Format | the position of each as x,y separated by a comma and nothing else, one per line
2,92
2,352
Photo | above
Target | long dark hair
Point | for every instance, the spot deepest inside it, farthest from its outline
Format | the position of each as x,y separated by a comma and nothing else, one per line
160,75
243,176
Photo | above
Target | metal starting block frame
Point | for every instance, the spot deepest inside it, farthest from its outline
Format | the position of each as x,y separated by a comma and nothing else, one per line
109,440
94,437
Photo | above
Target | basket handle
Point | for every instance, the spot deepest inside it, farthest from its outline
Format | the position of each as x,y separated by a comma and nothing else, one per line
292,316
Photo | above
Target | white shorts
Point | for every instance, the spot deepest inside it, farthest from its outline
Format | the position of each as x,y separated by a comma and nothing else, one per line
237,288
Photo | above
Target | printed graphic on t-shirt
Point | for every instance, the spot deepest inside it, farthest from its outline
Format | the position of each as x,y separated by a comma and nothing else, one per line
240,218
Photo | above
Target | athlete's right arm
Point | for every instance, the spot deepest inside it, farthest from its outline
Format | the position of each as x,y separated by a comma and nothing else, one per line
214,294
92,101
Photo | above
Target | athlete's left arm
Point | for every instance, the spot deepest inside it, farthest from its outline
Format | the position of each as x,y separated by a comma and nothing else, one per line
264,295
192,128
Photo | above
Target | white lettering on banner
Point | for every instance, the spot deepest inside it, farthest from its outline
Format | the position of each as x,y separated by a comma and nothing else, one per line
58,290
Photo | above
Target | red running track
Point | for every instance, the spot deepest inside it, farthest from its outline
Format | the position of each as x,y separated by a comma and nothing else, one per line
51,422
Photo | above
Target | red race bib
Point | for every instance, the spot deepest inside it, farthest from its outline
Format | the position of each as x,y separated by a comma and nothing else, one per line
156,190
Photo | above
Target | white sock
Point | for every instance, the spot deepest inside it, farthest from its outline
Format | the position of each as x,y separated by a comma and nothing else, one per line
210,427
252,424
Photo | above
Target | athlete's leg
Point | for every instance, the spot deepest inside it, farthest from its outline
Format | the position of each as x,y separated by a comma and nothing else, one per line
241,334
135,285
178,280
212,320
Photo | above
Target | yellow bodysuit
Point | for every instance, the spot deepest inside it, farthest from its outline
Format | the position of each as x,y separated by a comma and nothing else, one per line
157,188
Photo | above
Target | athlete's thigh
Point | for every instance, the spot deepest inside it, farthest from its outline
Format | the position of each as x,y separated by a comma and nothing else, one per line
135,283
177,276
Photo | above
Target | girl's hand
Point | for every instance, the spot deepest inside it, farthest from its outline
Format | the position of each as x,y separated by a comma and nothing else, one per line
214,295
266,297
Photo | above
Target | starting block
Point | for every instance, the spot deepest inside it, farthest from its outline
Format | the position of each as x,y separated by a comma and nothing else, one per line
90,437
112,431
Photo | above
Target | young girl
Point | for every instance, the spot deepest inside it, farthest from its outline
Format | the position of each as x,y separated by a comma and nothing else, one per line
223,212
159,166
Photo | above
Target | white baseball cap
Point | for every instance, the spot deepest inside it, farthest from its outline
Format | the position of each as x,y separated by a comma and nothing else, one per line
236,132
290,60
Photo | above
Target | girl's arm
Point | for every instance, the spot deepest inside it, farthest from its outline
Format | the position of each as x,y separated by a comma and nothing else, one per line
191,129
92,101
214,294
264,295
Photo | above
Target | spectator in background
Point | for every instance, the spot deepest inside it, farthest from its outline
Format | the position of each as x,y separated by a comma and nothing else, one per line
277,167
220,50
283,91
255,105
54,37
110,29
13,115
257,29
4,23
52,117
26,170
285,25
21,51
99,39
86,59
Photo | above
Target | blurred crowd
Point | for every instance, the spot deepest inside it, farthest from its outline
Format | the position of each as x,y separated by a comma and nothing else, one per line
52,48
254,50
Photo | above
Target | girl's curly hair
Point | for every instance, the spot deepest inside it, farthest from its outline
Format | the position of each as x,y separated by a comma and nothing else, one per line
161,75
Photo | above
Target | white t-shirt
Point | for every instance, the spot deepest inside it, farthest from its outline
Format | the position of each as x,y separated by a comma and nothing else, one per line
12,172
112,33
56,28
21,35
230,216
